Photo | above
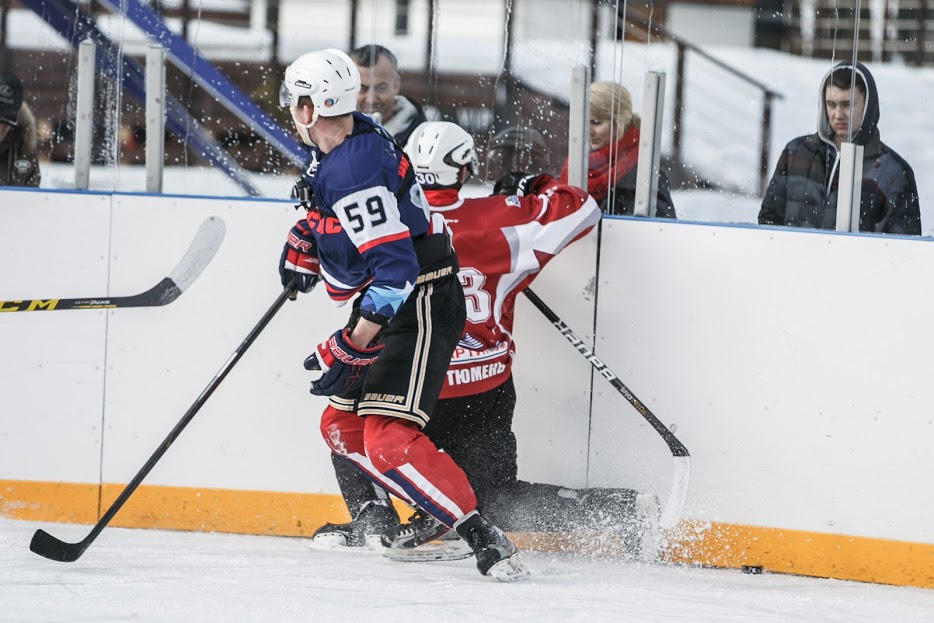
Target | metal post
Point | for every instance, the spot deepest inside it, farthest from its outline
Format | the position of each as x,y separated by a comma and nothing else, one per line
650,138
578,117
186,18
272,22
510,13
431,41
594,34
850,186
6,61
679,107
155,117
508,112
353,23
922,35
766,139
84,114
259,12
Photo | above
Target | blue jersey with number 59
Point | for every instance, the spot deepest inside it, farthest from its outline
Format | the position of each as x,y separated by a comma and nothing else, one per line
368,210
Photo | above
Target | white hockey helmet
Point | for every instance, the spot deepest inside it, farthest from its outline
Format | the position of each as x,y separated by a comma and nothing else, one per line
328,77
439,149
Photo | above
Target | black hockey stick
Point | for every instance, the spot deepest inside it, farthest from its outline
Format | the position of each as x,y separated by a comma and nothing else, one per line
682,475
200,252
53,548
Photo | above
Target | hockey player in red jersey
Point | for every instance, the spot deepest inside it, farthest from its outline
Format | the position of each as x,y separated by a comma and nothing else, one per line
369,235
503,242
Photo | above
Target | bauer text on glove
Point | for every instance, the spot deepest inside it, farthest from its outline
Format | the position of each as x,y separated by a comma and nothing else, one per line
343,364
300,259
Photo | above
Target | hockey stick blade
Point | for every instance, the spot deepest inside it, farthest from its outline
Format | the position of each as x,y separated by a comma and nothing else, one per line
46,545
680,484
682,472
200,252
52,548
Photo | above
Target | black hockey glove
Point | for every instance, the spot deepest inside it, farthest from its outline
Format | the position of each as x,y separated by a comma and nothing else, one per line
344,365
519,183
300,259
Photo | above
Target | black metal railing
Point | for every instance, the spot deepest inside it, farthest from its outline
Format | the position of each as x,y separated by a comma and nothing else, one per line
640,25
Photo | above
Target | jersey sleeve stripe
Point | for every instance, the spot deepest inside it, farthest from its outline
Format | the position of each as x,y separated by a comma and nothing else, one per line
369,244
341,294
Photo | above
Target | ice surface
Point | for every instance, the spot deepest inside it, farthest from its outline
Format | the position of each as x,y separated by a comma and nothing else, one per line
144,575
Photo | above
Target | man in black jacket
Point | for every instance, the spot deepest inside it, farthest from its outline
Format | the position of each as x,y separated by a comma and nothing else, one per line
379,92
804,188
19,165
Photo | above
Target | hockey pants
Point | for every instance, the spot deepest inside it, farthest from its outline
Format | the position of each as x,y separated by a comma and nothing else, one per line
400,458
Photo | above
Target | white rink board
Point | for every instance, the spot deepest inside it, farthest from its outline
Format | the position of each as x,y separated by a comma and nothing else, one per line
52,362
259,430
795,365
552,416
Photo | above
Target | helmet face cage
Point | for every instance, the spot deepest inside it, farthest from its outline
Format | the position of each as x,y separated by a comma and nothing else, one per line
517,149
439,150
328,77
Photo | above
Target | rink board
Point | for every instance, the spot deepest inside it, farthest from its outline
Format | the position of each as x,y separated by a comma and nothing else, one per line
791,364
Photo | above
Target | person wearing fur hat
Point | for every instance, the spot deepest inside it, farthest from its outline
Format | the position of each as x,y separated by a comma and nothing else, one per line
18,141
803,190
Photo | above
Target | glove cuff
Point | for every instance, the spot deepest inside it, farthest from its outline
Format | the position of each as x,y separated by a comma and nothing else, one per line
345,337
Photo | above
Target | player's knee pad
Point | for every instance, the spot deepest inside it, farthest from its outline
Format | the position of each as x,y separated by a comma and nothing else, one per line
342,431
391,442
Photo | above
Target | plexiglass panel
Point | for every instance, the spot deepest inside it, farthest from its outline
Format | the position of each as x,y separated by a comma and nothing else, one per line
741,80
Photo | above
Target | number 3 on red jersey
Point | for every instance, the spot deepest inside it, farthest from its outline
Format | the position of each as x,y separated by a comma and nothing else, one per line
478,300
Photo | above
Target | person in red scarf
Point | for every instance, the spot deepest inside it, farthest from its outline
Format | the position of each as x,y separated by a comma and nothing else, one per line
614,154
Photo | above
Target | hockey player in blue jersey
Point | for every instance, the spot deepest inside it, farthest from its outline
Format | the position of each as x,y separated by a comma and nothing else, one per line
370,237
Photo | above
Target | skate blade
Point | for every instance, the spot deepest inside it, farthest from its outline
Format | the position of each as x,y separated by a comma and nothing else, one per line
337,542
510,569
430,552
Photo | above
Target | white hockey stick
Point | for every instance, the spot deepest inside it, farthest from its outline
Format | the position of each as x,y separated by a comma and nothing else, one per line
682,472
199,254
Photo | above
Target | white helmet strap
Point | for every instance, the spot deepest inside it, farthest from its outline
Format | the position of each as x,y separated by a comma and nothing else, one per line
303,128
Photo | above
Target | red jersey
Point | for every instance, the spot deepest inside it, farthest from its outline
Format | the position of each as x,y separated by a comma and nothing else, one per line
502,243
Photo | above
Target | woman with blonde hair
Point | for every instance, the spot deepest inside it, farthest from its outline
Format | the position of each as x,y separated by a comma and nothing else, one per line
614,153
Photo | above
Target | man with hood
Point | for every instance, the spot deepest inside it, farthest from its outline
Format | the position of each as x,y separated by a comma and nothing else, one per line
19,165
379,92
803,190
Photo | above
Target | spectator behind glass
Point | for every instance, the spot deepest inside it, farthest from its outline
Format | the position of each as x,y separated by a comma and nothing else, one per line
614,153
379,92
803,190
18,140
517,149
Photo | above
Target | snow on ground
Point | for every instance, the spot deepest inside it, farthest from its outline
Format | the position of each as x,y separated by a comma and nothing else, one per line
152,576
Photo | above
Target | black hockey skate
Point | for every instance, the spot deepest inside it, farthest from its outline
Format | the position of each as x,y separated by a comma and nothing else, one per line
496,554
421,528
424,539
365,529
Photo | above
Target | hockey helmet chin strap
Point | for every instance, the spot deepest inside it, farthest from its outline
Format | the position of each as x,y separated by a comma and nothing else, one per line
304,127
